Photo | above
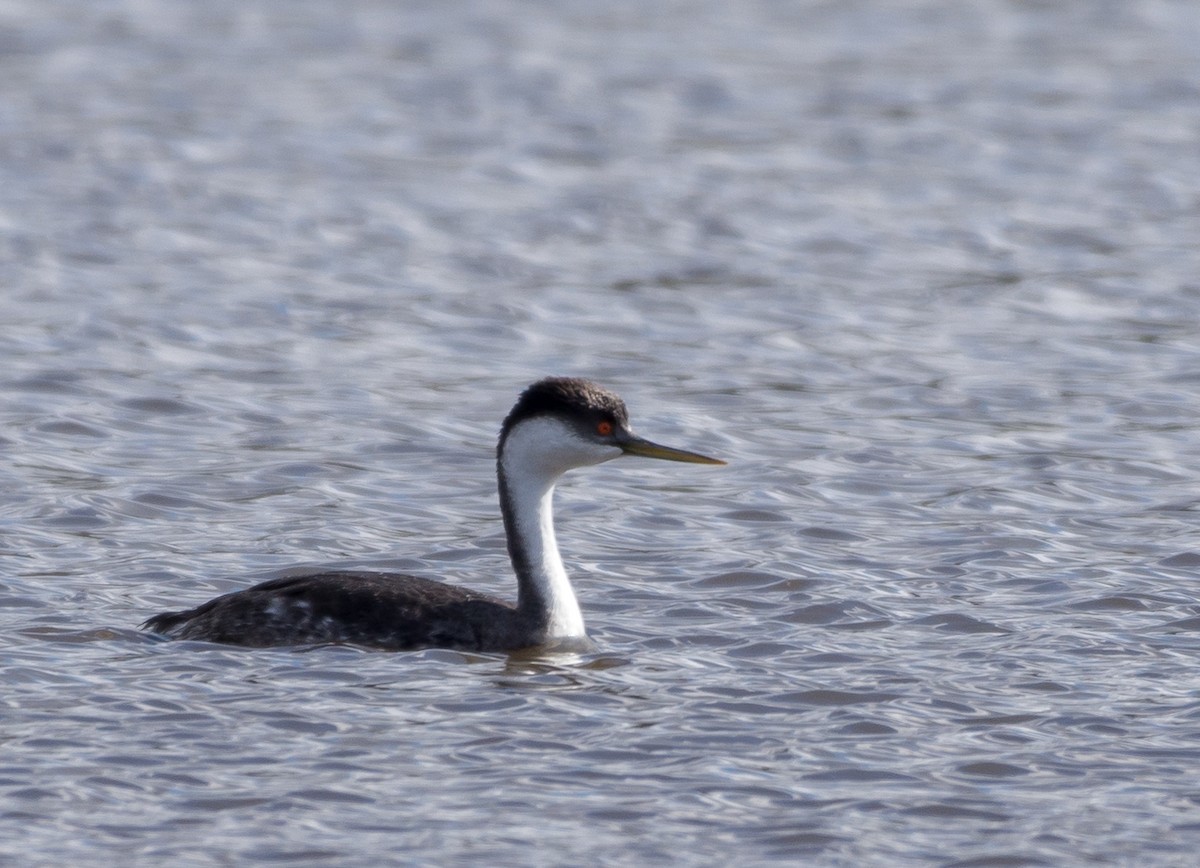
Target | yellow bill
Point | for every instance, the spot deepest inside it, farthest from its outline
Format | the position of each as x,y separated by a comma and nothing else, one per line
638,446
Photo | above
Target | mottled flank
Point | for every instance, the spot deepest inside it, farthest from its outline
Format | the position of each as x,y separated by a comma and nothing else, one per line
384,610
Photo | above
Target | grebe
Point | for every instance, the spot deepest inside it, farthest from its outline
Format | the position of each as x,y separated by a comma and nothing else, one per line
557,424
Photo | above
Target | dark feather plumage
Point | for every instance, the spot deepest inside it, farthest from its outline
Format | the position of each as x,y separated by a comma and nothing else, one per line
579,402
384,610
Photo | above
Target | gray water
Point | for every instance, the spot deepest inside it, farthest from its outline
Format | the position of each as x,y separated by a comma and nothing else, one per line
925,273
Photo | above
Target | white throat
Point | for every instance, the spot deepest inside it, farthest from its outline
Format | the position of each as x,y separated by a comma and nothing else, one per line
536,453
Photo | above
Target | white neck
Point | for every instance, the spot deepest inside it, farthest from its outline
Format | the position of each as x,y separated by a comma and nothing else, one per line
536,453
546,577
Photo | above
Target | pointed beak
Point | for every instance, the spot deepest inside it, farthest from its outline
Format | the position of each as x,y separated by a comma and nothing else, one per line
633,445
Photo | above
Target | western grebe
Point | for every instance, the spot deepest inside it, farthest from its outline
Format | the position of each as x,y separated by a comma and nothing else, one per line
557,424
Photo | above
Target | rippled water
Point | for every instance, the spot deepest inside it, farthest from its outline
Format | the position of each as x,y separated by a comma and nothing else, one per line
925,273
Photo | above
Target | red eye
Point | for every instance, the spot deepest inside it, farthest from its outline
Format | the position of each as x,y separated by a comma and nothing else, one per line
604,428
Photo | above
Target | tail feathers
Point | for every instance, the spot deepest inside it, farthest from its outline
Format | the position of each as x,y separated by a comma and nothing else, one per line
166,623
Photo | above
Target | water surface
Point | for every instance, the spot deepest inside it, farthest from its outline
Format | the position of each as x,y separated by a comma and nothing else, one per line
925,273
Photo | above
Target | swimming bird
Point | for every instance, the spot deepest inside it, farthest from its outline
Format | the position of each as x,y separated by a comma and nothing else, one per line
557,424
